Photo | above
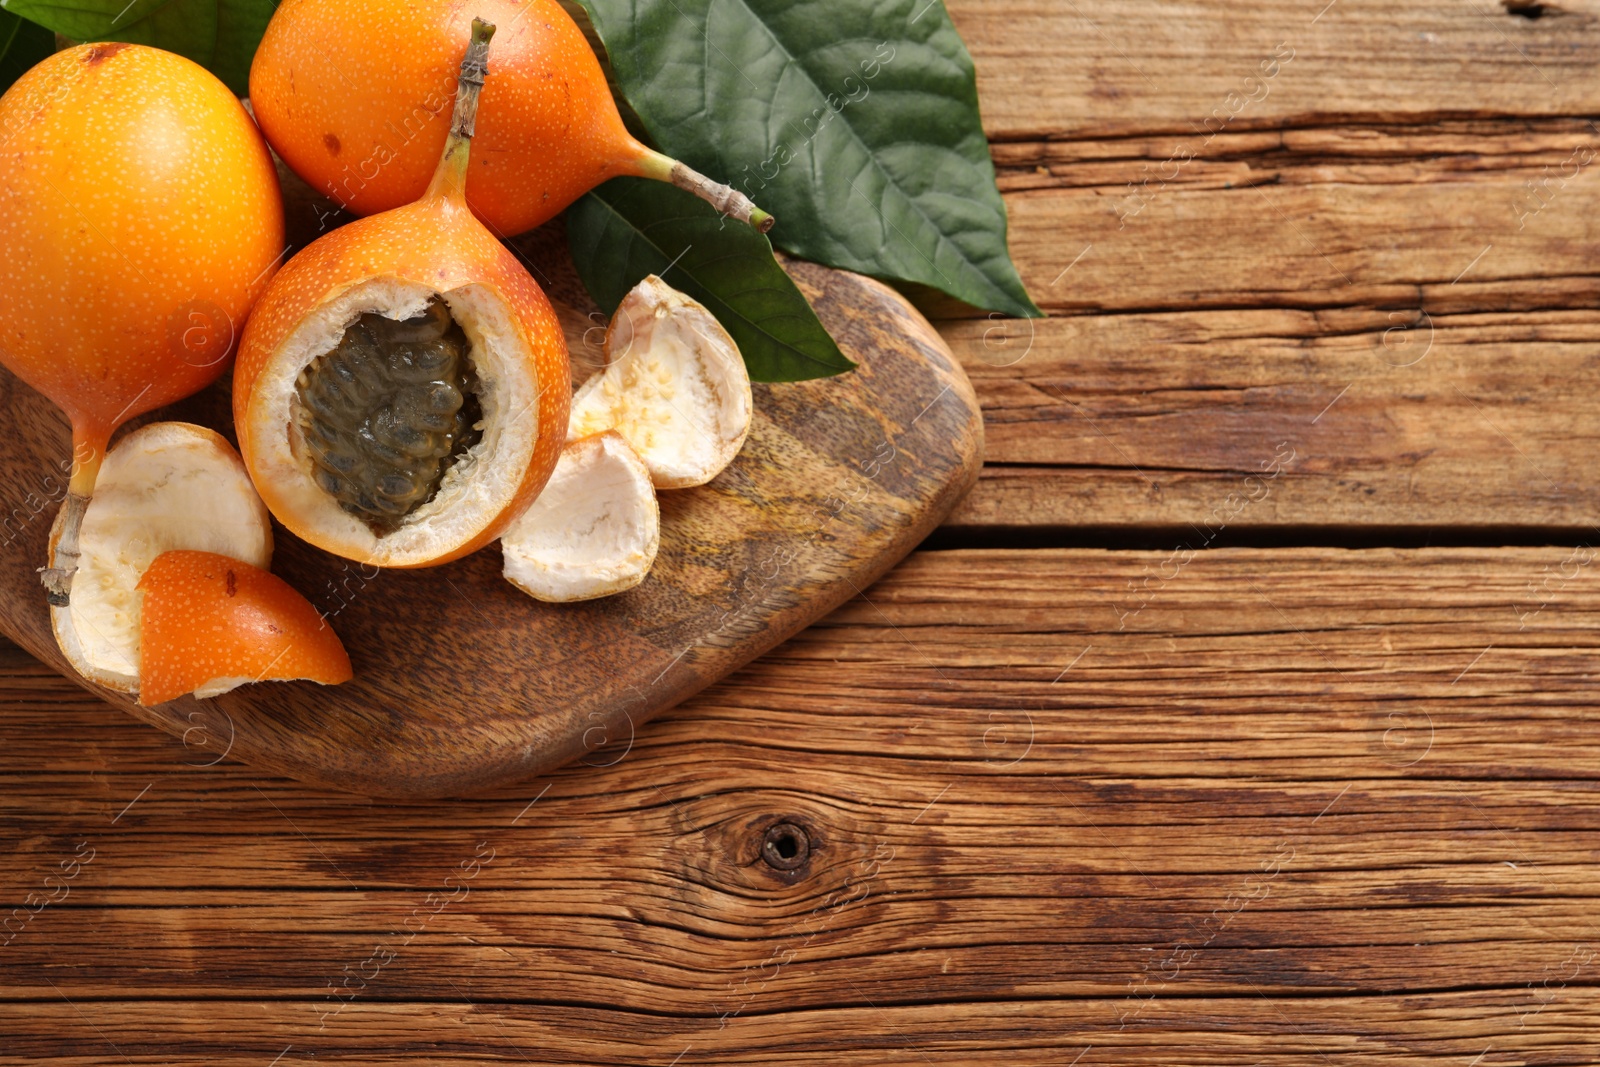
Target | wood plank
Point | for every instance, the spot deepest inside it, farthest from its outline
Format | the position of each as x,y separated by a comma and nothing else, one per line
1398,241
1231,804
1450,1028
1204,423
1120,67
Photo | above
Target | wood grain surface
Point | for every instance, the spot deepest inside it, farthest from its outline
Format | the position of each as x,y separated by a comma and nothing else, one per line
1196,806
1294,807
1398,223
464,682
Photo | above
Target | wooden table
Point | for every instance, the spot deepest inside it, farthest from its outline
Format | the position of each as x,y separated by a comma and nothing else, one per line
1244,713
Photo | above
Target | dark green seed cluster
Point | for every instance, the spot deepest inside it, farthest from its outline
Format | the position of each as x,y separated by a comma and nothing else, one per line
388,411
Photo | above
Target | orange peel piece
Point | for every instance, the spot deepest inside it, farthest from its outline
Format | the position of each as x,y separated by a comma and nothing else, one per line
212,623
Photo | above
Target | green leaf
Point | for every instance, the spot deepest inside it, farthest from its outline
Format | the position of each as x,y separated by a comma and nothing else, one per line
856,124
22,44
629,228
220,35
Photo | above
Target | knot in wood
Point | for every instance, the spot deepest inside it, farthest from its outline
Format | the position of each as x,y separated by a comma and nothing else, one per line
785,846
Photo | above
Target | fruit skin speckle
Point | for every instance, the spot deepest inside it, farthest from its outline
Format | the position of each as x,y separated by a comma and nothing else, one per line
548,130
208,618
139,220
99,53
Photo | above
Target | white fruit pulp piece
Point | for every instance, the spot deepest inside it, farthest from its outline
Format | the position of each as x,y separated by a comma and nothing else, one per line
593,531
675,386
164,487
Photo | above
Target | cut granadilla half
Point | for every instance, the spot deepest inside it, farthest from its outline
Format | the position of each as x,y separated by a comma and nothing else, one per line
401,391
213,623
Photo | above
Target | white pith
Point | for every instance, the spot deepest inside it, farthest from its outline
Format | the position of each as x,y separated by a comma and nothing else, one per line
674,385
476,489
165,487
592,532
217,686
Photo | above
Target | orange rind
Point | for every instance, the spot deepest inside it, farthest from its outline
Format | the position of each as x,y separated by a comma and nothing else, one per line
213,623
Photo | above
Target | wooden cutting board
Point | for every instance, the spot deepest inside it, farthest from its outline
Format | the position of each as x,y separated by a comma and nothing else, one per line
461,681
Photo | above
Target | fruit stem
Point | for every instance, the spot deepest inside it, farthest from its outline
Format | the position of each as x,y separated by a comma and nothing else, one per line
726,199
450,177
88,449
57,577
